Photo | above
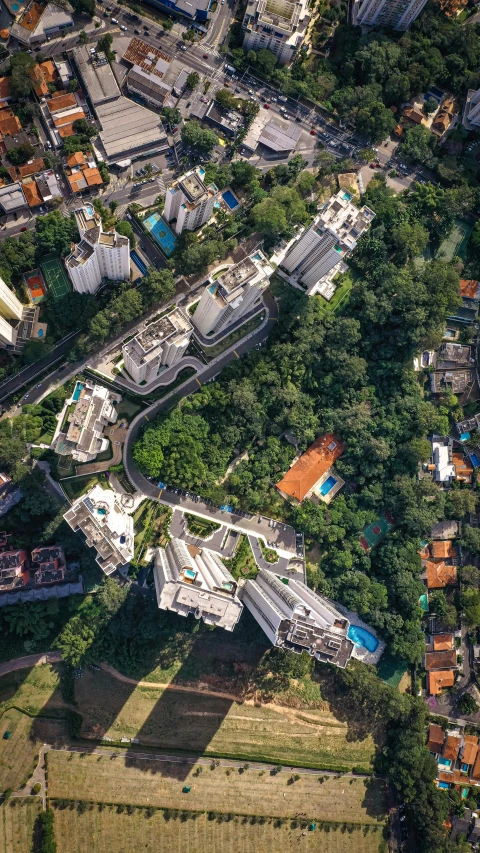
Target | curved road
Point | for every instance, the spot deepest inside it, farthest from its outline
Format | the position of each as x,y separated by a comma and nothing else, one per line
282,536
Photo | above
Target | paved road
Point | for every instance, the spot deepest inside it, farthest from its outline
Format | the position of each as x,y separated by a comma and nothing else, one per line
11,386
282,535
29,661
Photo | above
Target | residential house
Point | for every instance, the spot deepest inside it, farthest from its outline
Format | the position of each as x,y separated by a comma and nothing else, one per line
444,117
448,466
444,550
443,642
19,173
39,22
82,172
14,568
470,290
313,475
42,75
48,563
439,575
446,529
468,752
441,660
4,91
452,747
436,737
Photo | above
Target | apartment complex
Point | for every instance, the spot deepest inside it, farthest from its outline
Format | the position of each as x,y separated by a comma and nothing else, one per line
161,344
471,114
395,14
99,255
197,584
106,526
232,295
318,255
277,25
190,201
295,618
84,438
18,323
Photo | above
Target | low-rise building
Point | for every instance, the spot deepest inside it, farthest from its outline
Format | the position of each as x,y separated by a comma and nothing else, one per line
232,295
100,254
196,584
14,568
12,199
312,475
281,140
190,201
295,618
84,439
106,526
39,22
147,76
161,344
440,681
82,172
276,25
228,121
48,563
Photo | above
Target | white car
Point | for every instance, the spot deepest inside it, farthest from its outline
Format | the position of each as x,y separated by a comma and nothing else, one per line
123,28
114,21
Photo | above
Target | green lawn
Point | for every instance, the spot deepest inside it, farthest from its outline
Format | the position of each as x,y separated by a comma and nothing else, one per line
242,564
340,297
80,485
200,526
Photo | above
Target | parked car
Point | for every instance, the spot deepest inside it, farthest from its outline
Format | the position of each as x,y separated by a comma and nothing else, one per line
205,56
313,132
267,106
23,229
123,28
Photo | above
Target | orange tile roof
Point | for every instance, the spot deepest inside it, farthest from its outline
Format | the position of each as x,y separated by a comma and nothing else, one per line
9,123
436,737
61,101
469,752
32,195
475,773
4,87
92,177
60,122
440,660
31,16
463,466
315,462
437,681
452,746
77,159
441,642
38,79
5,34
468,287
74,181
66,130
49,71
443,550
439,575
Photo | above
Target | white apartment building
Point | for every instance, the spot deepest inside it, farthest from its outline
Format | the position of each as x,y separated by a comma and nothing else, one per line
106,527
471,114
277,25
99,255
84,438
396,14
11,312
190,201
200,585
161,344
295,618
232,295
320,251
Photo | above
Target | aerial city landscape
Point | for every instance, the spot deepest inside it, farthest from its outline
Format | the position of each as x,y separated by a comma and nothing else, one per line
239,426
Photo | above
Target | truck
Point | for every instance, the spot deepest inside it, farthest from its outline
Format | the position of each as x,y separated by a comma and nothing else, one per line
229,69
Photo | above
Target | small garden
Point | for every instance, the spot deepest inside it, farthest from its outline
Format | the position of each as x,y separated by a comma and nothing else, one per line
200,526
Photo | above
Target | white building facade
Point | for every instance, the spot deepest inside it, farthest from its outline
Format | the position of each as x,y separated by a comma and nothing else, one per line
320,251
161,344
99,255
106,525
294,618
232,295
200,585
190,201
10,309
277,25
396,14
84,438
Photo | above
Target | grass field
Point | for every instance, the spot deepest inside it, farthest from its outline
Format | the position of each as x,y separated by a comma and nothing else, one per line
170,719
144,782
106,830
17,819
55,276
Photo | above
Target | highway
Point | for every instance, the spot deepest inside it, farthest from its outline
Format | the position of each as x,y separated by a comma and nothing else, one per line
28,374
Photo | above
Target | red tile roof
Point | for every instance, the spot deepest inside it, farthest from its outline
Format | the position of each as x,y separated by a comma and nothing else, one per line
452,746
437,681
440,660
436,737
315,462
441,550
439,575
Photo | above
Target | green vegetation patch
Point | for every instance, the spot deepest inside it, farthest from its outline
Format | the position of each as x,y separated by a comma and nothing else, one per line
200,526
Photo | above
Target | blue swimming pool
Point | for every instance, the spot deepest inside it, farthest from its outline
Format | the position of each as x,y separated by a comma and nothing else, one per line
444,762
327,486
230,199
444,785
78,390
347,196
161,232
475,461
89,208
138,262
361,637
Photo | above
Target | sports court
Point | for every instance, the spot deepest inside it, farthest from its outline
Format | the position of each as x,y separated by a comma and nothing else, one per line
391,669
376,531
456,242
36,286
55,276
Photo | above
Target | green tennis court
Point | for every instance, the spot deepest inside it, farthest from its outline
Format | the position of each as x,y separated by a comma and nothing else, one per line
373,533
55,276
456,242
391,669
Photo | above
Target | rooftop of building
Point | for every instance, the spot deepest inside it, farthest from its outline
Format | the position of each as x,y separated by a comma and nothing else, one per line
107,527
12,197
127,127
146,344
443,549
148,85
347,221
308,469
469,288
280,138
193,186
441,659
436,737
442,642
148,58
96,75
439,575
438,681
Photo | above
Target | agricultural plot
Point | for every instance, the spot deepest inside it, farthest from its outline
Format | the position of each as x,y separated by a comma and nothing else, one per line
106,830
137,781
18,749
17,825
168,718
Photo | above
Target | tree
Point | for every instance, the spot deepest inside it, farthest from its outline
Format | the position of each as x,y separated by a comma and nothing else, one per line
75,641
105,46
123,227
269,216
242,173
21,154
46,822
467,704
419,146
194,136
82,37
55,233
265,61
412,237
193,80
226,99
83,128
305,183
20,81
172,116
158,285
72,85
430,106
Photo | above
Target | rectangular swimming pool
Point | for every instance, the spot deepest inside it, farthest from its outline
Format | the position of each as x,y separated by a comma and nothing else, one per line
327,486
474,459
138,262
230,199
78,390
444,762
161,232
